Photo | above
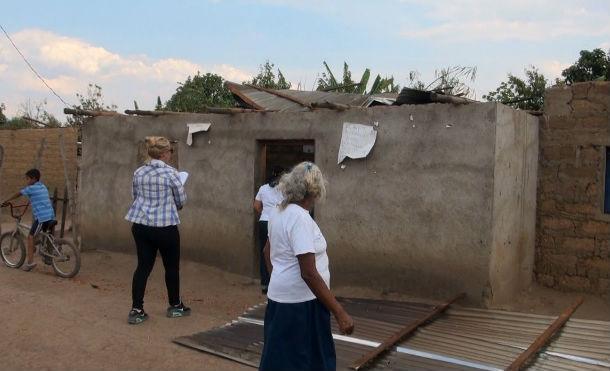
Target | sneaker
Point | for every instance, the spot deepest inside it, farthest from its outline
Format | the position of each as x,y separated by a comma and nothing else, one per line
28,267
136,316
179,310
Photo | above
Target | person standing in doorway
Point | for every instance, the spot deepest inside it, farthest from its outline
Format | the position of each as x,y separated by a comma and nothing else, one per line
297,319
158,194
266,200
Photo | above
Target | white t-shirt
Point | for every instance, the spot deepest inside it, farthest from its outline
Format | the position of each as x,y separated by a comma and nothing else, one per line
293,232
270,197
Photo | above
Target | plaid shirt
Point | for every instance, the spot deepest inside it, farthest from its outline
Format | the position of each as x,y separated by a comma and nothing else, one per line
158,194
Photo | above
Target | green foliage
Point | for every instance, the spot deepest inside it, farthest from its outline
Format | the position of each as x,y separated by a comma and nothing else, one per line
592,65
38,114
520,93
93,100
198,92
18,123
451,80
266,78
30,115
2,117
159,105
328,82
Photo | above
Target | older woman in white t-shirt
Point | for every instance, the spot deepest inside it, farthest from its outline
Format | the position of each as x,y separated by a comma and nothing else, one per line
297,320
267,199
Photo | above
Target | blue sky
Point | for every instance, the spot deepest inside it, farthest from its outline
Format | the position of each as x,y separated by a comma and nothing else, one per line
140,49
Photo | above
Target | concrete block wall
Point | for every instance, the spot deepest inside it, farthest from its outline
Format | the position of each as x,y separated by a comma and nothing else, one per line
444,203
20,151
573,233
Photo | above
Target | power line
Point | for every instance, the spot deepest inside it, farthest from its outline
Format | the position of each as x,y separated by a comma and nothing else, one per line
32,68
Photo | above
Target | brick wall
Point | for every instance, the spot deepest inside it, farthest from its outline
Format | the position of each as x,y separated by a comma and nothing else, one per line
20,151
573,233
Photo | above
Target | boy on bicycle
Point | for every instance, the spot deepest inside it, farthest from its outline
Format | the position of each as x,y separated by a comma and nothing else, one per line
42,211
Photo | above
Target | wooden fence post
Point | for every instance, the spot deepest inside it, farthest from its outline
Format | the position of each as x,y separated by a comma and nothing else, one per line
63,213
71,205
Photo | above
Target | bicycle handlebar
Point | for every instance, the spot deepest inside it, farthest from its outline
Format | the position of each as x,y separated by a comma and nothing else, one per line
13,207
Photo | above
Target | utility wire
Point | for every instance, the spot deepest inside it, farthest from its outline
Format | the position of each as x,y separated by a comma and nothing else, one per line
32,68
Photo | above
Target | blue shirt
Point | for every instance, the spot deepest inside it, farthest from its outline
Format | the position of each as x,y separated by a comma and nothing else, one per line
41,203
157,195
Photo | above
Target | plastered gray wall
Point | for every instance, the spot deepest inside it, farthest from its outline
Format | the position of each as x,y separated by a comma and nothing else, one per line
415,216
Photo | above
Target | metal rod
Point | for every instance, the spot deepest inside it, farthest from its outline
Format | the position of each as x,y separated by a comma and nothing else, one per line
544,338
398,336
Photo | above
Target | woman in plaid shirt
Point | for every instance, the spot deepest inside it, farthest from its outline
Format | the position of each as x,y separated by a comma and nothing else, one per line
158,194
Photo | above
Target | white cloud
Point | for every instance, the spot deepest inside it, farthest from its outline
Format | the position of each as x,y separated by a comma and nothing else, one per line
552,69
541,20
69,64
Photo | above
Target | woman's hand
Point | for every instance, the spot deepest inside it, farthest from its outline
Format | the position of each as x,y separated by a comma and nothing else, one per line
345,322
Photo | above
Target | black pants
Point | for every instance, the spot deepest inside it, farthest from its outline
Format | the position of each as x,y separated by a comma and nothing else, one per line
148,241
262,239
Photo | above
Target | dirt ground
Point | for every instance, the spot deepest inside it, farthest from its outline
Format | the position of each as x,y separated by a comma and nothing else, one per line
49,323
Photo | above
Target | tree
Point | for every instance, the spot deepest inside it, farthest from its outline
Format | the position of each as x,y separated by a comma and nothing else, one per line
198,92
592,65
93,100
37,114
2,117
266,78
520,93
328,82
159,105
451,80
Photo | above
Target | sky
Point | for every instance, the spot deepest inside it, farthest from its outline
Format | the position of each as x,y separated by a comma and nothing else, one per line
138,50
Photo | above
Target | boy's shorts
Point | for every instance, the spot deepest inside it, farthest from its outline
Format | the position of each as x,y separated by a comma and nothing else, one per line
37,227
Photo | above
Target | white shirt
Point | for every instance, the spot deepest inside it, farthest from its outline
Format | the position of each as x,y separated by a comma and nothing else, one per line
293,232
270,197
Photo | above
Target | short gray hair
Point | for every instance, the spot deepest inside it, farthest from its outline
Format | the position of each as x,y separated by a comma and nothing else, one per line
305,179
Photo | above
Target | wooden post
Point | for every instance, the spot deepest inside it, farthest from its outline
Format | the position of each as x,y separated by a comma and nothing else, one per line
544,338
401,334
1,162
73,216
64,212
54,201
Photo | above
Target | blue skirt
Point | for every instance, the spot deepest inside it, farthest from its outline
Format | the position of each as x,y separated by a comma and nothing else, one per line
298,337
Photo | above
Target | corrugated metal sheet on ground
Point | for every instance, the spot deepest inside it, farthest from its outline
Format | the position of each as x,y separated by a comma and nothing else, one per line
497,338
462,338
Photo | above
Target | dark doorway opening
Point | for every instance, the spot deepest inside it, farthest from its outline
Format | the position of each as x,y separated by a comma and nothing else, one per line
274,154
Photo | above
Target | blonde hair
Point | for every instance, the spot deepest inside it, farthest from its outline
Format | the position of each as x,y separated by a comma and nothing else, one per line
156,146
304,180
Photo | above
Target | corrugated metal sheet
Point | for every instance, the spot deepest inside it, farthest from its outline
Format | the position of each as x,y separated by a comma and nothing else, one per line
269,101
461,339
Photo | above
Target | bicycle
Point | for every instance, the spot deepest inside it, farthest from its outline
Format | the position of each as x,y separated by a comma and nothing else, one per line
60,253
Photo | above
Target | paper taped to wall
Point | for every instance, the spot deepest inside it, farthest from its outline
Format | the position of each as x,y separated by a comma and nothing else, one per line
195,128
357,140
183,176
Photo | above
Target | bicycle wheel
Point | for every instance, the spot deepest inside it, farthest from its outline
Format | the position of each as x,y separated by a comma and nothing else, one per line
66,264
12,249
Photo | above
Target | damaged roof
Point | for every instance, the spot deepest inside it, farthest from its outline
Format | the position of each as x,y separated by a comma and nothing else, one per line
258,98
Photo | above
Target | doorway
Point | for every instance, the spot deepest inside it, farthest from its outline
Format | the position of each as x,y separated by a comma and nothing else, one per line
274,155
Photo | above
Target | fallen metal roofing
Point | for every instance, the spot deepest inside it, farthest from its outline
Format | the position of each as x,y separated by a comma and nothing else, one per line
298,100
461,339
